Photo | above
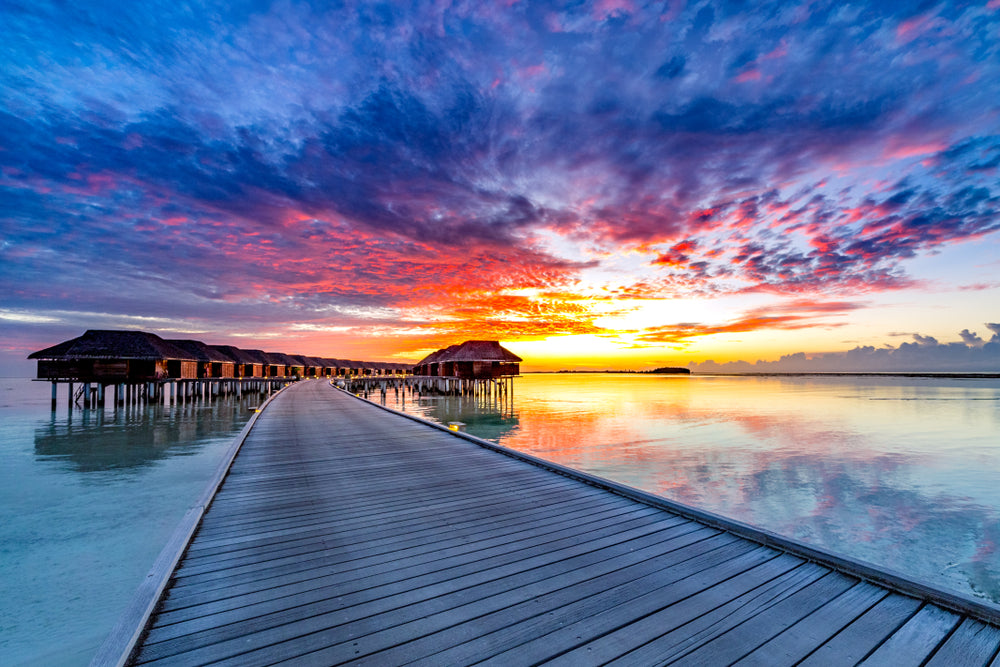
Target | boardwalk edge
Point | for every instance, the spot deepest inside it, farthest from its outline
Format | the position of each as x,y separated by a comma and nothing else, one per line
121,643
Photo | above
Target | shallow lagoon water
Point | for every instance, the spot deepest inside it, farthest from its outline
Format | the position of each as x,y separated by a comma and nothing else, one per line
901,472
87,501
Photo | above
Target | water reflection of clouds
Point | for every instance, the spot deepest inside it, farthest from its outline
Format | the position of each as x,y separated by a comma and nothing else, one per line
805,459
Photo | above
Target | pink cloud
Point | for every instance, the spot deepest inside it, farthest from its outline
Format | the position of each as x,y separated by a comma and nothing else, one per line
604,9
779,51
903,151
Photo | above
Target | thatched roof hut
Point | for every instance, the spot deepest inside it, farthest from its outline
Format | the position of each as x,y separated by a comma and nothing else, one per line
285,365
259,357
247,364
275,364
118,356
481,359
430,365
312,366
211,362
473,359
109,355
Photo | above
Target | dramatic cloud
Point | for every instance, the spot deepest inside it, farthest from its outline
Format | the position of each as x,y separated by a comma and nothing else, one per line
441,167
794,315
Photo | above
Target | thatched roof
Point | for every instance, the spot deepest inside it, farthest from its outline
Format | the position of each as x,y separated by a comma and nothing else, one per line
120,344
436,356
114,344
303,360
200,351
398,366
258,356
236,354
282,359
472,350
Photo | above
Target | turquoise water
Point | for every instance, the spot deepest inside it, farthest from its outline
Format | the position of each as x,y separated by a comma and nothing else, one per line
901,472
87,501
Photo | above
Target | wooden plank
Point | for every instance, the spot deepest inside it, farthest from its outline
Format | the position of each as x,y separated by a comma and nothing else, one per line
767,621
666,628
399,565
919,637
804,637
330,555
973,644
345,640
518,616
703,616
375,535
315,615
853,643
403,634
329,525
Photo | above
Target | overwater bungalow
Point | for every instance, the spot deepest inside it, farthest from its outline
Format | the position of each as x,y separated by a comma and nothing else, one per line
471,360
260,358
312,366
276,364
114,356
211,362
430,365
294,366
247,366
329,367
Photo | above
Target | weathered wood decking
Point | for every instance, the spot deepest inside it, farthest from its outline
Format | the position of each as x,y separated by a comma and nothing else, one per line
345,533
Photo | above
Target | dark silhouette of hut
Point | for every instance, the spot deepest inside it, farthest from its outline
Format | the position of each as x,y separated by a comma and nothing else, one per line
247,366
211,362
111,356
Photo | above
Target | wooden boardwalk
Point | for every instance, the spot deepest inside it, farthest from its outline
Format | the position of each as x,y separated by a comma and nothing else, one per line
344,533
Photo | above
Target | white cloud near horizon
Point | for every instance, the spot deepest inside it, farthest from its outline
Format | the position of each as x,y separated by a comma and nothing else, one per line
972,354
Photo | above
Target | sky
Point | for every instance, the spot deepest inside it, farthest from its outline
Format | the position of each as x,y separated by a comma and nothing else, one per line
600,184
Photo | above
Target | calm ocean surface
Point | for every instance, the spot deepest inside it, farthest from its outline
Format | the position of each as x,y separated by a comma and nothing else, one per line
901,472
87,502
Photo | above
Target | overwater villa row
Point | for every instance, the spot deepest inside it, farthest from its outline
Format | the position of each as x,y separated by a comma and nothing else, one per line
140,366
478,368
